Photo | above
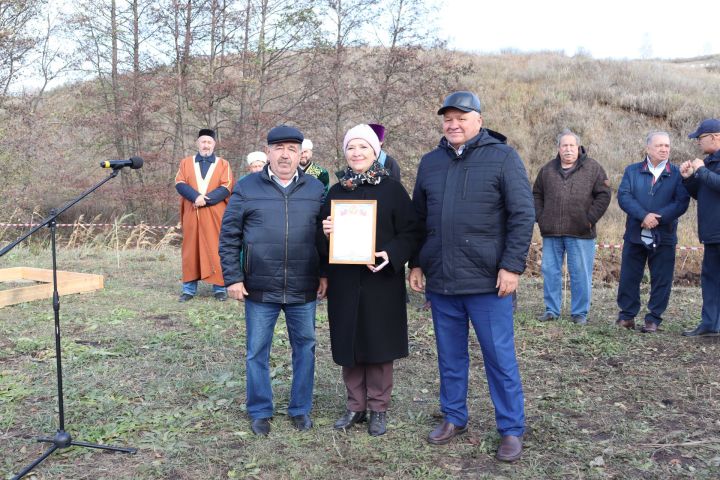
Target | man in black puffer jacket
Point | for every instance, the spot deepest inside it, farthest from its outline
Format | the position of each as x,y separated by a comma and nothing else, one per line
272,219
473,196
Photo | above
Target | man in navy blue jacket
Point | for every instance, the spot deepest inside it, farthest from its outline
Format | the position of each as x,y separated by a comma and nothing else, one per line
272,219
702,180
473,198
653,196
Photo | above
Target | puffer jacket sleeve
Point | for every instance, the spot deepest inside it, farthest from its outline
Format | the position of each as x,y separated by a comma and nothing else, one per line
419,200
520,210
231,239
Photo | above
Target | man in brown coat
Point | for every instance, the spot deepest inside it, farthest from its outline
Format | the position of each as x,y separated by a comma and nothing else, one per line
572,192
204,183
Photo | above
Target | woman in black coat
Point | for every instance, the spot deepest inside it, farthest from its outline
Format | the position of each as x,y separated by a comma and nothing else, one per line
366,303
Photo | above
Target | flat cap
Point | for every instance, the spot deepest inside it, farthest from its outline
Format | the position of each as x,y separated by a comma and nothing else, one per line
462,100
284,133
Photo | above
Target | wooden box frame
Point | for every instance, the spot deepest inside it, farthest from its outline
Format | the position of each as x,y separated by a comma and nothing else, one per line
68,283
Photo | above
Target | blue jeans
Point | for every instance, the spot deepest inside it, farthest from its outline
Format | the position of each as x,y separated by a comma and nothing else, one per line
580,258
661,263
492,319
191,288
260,319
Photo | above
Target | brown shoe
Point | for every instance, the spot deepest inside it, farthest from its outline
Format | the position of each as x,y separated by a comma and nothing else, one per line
629,324
510,448
649,327
445,432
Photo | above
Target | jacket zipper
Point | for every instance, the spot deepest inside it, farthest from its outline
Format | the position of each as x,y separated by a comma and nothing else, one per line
287,235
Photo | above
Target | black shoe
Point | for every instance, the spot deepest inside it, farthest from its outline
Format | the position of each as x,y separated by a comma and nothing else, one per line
185,297
302,422
377,423
349,419
221,296
700,332
260,426
579,319
547,317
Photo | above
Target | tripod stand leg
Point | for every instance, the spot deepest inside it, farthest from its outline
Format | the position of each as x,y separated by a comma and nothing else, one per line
37,462
105,447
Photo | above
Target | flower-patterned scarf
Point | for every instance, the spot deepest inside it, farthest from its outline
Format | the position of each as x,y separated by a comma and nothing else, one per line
373,175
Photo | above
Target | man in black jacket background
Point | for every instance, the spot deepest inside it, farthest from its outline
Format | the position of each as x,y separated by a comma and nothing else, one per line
473,197
272,220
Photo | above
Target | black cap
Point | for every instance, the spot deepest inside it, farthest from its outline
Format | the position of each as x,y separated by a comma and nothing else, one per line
465,101
206,132
284,133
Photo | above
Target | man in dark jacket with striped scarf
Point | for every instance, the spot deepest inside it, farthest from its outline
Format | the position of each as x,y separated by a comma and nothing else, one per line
473,198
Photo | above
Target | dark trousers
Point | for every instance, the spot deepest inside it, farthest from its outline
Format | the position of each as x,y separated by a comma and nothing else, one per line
368,386
710,283
661,263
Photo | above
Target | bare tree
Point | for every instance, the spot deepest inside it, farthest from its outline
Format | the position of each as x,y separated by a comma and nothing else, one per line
16,41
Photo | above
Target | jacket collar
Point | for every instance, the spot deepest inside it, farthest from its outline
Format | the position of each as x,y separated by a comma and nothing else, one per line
210,158
483,138
645,168
713,157
581,159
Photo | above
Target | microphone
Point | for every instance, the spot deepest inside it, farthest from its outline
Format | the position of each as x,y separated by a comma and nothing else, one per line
132,162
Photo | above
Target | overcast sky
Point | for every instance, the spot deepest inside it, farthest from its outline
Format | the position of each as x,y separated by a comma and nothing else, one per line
604,29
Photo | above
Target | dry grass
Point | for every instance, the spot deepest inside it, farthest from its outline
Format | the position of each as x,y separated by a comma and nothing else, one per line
143,370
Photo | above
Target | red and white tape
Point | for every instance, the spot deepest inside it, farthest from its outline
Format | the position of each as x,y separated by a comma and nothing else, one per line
610,246
30,225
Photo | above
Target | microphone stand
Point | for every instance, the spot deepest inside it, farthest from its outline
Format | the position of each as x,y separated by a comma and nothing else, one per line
62,438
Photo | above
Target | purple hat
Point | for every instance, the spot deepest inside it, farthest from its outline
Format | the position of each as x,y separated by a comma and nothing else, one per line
363,132
709,125
379,131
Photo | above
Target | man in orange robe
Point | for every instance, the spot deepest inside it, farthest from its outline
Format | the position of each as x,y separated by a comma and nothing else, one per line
204,183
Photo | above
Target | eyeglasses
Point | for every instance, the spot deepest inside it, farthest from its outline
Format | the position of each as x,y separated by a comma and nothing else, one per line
704,135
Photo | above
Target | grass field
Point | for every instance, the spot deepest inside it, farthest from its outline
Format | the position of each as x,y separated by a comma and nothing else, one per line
143,370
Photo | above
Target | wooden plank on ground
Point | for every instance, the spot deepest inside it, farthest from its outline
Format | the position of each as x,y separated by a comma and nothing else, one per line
68,283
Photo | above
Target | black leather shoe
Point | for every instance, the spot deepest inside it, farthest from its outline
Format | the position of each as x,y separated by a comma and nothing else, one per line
349,419
377,423
260,426
221,296
185,297
445,432
700,332
302,422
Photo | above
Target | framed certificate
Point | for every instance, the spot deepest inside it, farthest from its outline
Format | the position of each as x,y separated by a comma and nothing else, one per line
353,237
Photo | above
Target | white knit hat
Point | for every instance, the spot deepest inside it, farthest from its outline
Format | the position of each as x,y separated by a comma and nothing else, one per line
256,157
363,131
